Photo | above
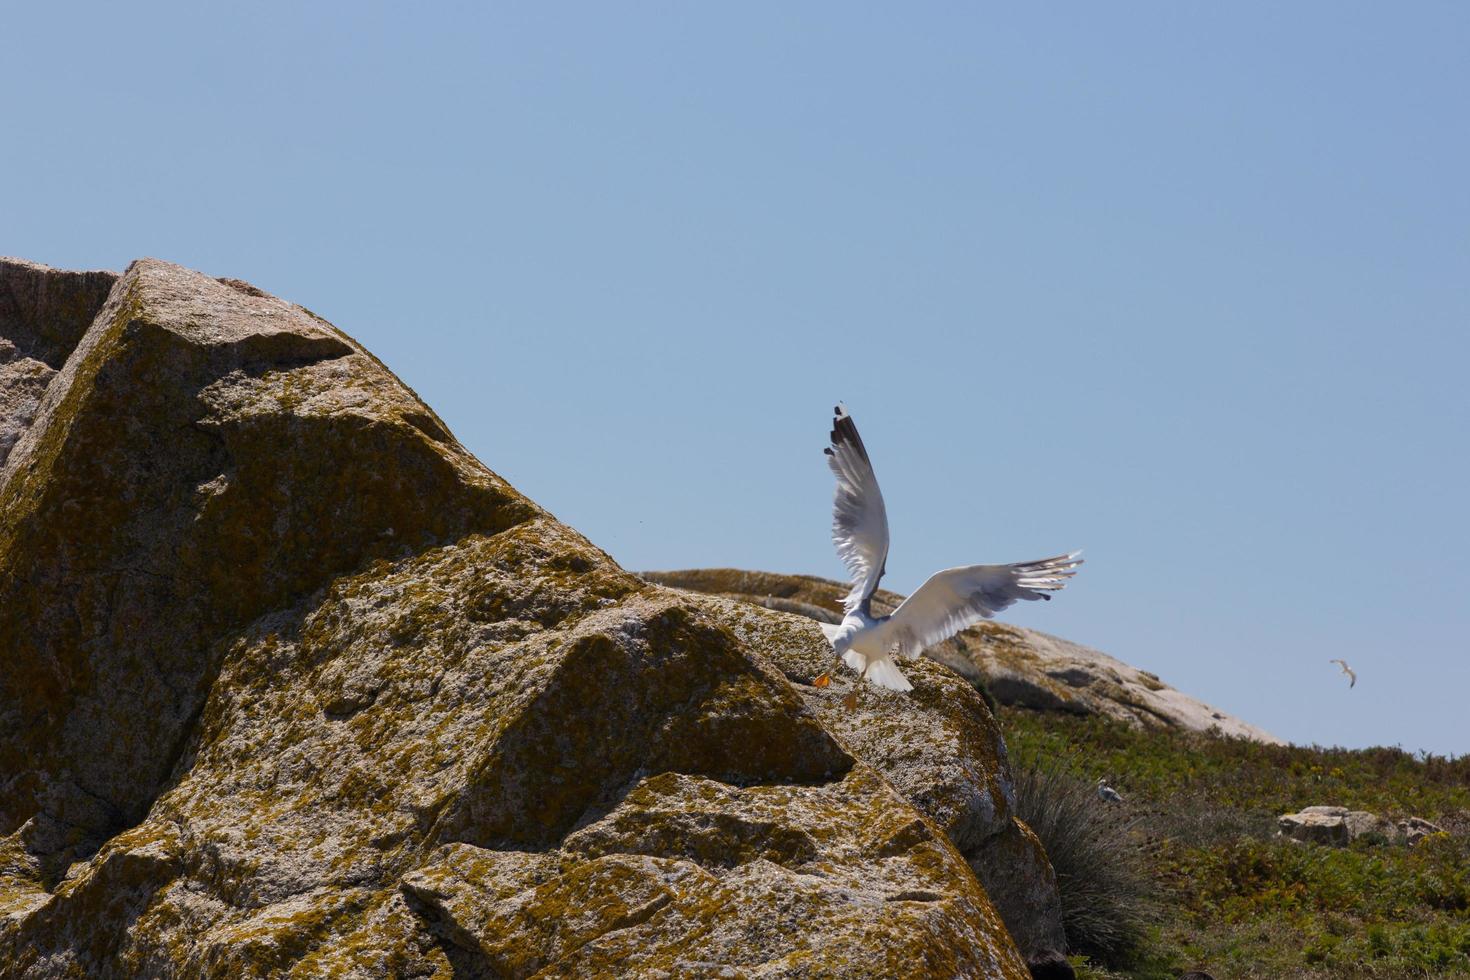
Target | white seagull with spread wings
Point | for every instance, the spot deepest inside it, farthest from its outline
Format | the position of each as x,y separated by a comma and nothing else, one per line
1352,674
947,603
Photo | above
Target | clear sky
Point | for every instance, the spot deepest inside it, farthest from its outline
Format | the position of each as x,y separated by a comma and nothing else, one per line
1185,285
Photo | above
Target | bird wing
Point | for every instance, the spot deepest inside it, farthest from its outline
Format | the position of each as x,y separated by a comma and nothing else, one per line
859,520
958,597
1352,676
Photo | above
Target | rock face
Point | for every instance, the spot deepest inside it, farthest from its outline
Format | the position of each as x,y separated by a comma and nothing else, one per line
290,684
1339,826
43,313
1016,666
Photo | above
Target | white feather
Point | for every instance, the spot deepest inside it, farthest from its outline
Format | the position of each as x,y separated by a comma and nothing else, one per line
859,519
880,670
956,598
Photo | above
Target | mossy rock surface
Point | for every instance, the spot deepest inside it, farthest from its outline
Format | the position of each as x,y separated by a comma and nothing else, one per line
1012,665
292,685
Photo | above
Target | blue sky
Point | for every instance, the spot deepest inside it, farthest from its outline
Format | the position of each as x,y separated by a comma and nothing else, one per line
1187,286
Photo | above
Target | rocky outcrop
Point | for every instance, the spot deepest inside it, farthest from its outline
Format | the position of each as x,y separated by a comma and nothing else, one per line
1015,666
290,684
1338,826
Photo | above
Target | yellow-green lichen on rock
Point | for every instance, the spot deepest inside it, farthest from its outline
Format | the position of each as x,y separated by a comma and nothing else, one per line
291,685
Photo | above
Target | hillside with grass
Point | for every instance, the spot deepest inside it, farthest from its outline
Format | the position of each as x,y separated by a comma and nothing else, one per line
1189,872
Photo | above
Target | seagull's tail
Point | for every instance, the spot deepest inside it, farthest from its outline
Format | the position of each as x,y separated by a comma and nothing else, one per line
879,670
1045,575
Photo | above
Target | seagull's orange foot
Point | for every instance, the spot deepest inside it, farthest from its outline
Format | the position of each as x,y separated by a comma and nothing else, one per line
850,702
822,681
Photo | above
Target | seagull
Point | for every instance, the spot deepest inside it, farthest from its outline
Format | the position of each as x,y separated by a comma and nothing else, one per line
1352,676
948,602
1107,793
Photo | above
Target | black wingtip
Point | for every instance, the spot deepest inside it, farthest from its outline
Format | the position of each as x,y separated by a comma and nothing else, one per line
844,431
828,452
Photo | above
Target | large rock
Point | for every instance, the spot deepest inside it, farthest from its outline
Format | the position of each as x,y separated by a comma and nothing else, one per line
1339,826
1016,666
290,684
1322,824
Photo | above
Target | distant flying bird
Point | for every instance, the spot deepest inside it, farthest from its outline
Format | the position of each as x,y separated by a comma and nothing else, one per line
947,603
1107,793
1352,676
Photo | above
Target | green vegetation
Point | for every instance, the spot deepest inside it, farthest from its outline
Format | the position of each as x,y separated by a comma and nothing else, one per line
1232,898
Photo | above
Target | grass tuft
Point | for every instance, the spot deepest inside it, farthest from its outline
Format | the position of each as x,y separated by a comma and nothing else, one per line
1095,851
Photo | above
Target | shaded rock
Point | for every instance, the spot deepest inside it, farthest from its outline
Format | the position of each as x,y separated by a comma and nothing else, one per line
1016,666
291,683
43,313
1052,966
1018,877
1360,823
